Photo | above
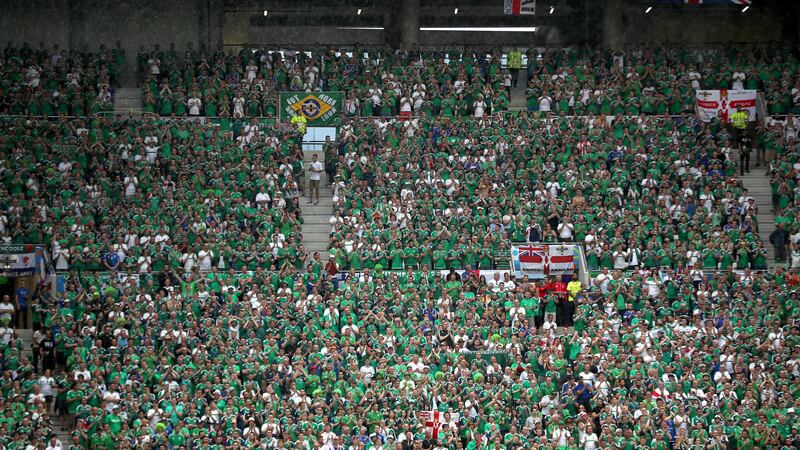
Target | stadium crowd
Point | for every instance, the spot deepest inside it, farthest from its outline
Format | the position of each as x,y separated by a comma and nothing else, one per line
144,196
54,82
639,191
461,82
192,317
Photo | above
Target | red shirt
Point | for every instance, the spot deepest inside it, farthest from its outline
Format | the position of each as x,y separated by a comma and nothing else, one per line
544,289
331,268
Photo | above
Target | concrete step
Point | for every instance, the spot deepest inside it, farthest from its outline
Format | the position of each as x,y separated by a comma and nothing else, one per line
27,336
312,236
128,93
759,187
316,245
316,242
317,209
518,101
319,248
325,196
316,227
127,100
317,213
316,219
128,107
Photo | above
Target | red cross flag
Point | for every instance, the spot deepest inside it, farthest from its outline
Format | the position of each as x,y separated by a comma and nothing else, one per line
517,7
532,260
435,420
561,260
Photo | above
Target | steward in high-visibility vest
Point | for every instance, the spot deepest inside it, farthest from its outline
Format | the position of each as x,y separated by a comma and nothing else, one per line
739,119
299,121
515,59
514,65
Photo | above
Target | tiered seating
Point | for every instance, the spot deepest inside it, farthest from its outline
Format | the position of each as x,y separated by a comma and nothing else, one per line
191,317
657,80
639,192
385,83
780,142
458,83
150,196
52,82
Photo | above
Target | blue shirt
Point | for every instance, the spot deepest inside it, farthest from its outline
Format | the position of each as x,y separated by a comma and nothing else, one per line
111,258
582,393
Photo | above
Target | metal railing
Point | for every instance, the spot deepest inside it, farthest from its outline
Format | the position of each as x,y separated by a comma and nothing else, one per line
56,117
491,117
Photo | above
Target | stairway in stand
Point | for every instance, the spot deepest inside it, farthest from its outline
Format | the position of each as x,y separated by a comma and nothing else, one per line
316,218
758,186
62,435
518,99
128,100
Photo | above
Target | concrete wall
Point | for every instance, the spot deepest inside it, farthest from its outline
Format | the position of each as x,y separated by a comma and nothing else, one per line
310,36
142,22
307,36
79,23
701,25
33,21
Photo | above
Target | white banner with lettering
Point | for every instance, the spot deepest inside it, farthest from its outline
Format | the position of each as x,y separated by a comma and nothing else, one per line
720,104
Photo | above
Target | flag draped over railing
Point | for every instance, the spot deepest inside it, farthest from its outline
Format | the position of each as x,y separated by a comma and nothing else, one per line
319,108
720,104
540,260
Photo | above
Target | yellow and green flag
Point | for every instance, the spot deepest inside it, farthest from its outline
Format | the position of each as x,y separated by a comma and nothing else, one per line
319,108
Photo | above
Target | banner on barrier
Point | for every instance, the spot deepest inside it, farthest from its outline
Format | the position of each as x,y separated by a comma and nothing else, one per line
319,108
721,103
541,260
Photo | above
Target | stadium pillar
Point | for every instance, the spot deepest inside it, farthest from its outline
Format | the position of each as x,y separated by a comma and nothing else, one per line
215,19
210,23
409,17
612,24
77,24
202,25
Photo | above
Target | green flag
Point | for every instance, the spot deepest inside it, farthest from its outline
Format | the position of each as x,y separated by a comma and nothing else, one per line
319,108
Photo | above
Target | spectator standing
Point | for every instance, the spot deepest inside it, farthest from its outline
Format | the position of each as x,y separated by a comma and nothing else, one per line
514,65
745,148
779,238
7,311
316,168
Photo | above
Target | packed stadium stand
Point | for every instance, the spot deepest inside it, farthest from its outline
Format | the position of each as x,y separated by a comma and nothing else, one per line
561,244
